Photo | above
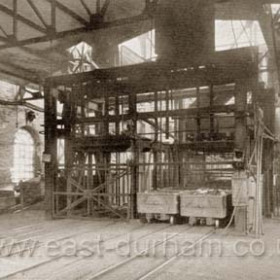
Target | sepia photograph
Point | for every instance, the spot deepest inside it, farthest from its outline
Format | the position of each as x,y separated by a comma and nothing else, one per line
139,139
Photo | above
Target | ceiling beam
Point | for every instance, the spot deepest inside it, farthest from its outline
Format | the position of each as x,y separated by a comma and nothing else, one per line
69,12
40,54
15,18
37,12
23,19
28,71
3,31
98,6
78,31
53,17
87,9
105,7
44,55
19,75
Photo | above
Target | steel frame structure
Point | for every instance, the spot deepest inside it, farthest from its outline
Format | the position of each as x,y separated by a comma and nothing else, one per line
102,117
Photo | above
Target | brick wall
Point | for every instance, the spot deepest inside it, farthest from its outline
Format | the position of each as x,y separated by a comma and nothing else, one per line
13,118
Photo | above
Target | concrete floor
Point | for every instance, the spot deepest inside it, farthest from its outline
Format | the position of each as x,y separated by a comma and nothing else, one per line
34,248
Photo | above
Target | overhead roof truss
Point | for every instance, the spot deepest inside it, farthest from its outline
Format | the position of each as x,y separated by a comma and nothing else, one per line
49,31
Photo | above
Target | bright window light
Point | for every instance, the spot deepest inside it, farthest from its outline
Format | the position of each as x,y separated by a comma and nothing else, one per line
24,149
138,49
232,34
81,58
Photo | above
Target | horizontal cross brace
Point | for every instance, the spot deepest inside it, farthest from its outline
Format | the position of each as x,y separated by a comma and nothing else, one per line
60,35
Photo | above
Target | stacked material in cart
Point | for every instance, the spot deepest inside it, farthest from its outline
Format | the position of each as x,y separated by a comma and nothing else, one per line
161,205
205,203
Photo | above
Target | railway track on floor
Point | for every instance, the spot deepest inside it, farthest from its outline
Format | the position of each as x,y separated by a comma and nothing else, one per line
55,259
160,267
85,264
17,242
105,273
41,244
29,230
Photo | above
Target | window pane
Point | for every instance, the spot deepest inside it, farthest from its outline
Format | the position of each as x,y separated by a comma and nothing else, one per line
23,168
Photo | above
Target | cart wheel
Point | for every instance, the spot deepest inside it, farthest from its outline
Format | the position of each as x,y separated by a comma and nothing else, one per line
202,221
149,218
172,220
143,219
192,221
217,223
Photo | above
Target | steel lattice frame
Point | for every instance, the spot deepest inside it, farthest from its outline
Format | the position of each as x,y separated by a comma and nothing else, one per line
90,143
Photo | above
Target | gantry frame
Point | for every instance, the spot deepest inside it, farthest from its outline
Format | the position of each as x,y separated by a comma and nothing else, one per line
106,89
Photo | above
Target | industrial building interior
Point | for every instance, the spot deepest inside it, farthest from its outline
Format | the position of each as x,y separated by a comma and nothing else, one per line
139,139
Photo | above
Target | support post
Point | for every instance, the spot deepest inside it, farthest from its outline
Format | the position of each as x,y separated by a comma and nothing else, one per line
211,104
240,118
50,149
267,103
240,145
15,19
135,152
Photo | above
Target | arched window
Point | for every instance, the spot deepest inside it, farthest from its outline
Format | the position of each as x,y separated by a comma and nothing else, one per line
24,150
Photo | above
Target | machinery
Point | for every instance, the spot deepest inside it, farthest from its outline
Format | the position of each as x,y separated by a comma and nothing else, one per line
145,127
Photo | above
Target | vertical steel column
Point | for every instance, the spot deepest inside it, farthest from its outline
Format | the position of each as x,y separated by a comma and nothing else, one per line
118,186
117,113
53,15
240,118
198,122
240,146
167,98
106,110
15,21
132,98
83,108
89,181
211,104
155,152
156,110
267,103
68,154
50,148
